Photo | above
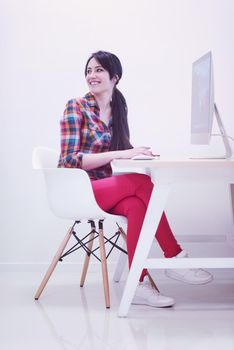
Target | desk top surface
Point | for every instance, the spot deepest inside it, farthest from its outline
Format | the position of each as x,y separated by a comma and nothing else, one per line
174,162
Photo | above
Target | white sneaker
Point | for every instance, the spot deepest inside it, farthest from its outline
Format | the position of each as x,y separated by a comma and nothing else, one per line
192,276
147,295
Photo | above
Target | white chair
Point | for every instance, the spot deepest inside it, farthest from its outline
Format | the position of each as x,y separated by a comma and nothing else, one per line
70,196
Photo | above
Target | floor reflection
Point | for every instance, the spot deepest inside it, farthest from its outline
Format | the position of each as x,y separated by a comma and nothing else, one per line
86,324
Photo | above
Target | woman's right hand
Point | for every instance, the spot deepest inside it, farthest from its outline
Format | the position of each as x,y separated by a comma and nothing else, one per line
132,152
95,160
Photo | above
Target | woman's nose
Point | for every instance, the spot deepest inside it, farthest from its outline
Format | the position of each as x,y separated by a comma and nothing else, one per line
92,74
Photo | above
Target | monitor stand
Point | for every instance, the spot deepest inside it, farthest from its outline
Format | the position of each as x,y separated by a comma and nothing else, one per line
227,146
223,134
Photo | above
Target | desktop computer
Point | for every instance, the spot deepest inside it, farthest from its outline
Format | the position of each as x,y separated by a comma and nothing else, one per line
203,107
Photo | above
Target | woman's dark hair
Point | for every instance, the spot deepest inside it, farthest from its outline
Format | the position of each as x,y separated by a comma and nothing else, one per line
120,129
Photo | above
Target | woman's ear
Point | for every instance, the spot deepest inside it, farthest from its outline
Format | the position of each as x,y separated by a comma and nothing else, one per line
116,79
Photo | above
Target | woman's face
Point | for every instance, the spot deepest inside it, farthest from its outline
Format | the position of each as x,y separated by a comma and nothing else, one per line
98,79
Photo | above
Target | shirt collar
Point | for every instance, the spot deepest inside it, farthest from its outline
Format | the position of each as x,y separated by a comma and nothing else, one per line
93,103
91,100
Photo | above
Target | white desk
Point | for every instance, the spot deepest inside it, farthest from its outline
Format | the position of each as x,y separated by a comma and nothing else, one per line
164,174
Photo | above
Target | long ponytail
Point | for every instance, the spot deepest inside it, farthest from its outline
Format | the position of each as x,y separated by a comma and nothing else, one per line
120,129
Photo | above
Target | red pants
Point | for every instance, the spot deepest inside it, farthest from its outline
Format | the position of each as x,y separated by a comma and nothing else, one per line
129,195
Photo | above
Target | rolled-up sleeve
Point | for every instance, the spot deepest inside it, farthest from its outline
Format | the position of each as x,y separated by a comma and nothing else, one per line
70,125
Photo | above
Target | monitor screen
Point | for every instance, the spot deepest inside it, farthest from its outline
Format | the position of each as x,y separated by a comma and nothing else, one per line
202,100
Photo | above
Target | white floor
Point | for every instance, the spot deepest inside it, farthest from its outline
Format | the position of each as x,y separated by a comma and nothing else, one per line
68,317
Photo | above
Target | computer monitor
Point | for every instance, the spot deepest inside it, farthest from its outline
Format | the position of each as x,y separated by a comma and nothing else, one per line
203,105
202,100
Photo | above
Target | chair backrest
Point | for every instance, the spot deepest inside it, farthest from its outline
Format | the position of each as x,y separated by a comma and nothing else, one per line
69,190
44,157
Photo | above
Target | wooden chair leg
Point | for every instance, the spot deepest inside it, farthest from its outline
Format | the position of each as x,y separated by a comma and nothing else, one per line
104,265
122,261
86,262
53,264
123,234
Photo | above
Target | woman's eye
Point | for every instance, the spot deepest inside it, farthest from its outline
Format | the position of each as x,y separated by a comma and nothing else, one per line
98,70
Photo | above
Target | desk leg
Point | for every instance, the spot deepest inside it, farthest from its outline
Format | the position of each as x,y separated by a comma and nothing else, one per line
232,199
152,218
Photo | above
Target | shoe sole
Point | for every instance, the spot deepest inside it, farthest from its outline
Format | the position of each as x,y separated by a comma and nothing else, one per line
157,307
141,302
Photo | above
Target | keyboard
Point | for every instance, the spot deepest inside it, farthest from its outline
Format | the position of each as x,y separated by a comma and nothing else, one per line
144,157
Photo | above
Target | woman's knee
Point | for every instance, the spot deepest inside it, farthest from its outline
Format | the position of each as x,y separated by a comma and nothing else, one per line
141,180
144,187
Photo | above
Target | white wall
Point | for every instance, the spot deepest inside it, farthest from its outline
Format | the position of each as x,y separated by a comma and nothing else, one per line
44,47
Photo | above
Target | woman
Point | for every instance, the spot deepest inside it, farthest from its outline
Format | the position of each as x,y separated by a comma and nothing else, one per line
94,131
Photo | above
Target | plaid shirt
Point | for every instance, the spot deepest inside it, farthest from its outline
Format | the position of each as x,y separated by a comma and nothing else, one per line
82,131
